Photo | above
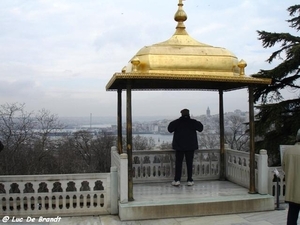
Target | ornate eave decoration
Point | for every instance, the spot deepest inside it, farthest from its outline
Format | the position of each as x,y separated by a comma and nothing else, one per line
155,81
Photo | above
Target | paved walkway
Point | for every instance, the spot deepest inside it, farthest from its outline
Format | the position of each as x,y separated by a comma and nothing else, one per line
263,218
276,217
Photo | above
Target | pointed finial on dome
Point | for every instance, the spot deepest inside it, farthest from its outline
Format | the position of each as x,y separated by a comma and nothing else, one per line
180,17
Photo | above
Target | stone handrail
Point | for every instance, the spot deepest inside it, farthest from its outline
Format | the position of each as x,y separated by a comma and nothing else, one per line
159,166
238,170
120,162
237,167
59,194
237,164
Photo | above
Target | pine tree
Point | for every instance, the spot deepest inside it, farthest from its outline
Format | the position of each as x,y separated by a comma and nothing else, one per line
278,119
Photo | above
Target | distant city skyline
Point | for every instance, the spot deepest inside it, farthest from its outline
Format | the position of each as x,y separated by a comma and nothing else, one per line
94,121
59,55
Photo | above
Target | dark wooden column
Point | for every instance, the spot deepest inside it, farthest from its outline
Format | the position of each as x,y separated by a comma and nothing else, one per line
252,146
222,139
119,117
129,142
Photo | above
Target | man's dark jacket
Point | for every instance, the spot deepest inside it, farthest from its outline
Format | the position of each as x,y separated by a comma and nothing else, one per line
185,135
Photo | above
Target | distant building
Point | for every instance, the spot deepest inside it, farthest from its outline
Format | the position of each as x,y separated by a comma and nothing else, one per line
208,112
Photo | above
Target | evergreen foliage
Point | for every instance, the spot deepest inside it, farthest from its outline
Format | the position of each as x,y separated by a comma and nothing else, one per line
278,119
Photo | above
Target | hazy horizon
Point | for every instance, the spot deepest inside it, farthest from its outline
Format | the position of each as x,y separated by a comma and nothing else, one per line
87,120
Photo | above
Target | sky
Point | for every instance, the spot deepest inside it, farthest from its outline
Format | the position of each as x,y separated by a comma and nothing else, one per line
59,55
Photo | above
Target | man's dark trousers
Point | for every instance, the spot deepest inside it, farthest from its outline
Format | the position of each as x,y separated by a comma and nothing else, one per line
293,213
189,157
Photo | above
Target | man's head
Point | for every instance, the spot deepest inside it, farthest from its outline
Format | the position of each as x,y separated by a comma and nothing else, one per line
185,112
298,136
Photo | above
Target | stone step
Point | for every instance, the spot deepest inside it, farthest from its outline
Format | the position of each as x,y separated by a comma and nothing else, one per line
220,205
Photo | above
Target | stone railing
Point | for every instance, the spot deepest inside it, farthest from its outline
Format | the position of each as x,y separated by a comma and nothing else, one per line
159,166
120,162
237,167
59,194
265,179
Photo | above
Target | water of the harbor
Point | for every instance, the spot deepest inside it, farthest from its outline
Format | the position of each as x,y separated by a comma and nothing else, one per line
158,138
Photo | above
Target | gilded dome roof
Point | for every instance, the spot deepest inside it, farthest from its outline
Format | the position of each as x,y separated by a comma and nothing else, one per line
181,54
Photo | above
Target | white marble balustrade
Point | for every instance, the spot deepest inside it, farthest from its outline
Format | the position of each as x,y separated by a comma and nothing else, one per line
159,166
59,194
237,171
237,167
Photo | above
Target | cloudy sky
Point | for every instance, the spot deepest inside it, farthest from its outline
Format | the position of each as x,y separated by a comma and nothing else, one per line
60,54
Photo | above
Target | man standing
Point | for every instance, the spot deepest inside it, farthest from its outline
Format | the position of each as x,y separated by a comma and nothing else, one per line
185,142
291,167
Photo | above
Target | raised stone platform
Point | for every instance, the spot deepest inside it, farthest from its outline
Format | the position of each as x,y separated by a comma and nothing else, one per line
162,200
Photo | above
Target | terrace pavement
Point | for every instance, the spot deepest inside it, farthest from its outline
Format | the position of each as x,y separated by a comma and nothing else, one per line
276,217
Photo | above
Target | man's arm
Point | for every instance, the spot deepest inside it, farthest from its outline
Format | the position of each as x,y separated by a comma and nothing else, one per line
198,126
172,126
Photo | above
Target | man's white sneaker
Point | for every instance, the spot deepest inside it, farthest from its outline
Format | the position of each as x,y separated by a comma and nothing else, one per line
175,183
190,183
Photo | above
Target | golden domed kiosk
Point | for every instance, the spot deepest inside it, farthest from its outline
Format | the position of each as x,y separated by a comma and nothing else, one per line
183,63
